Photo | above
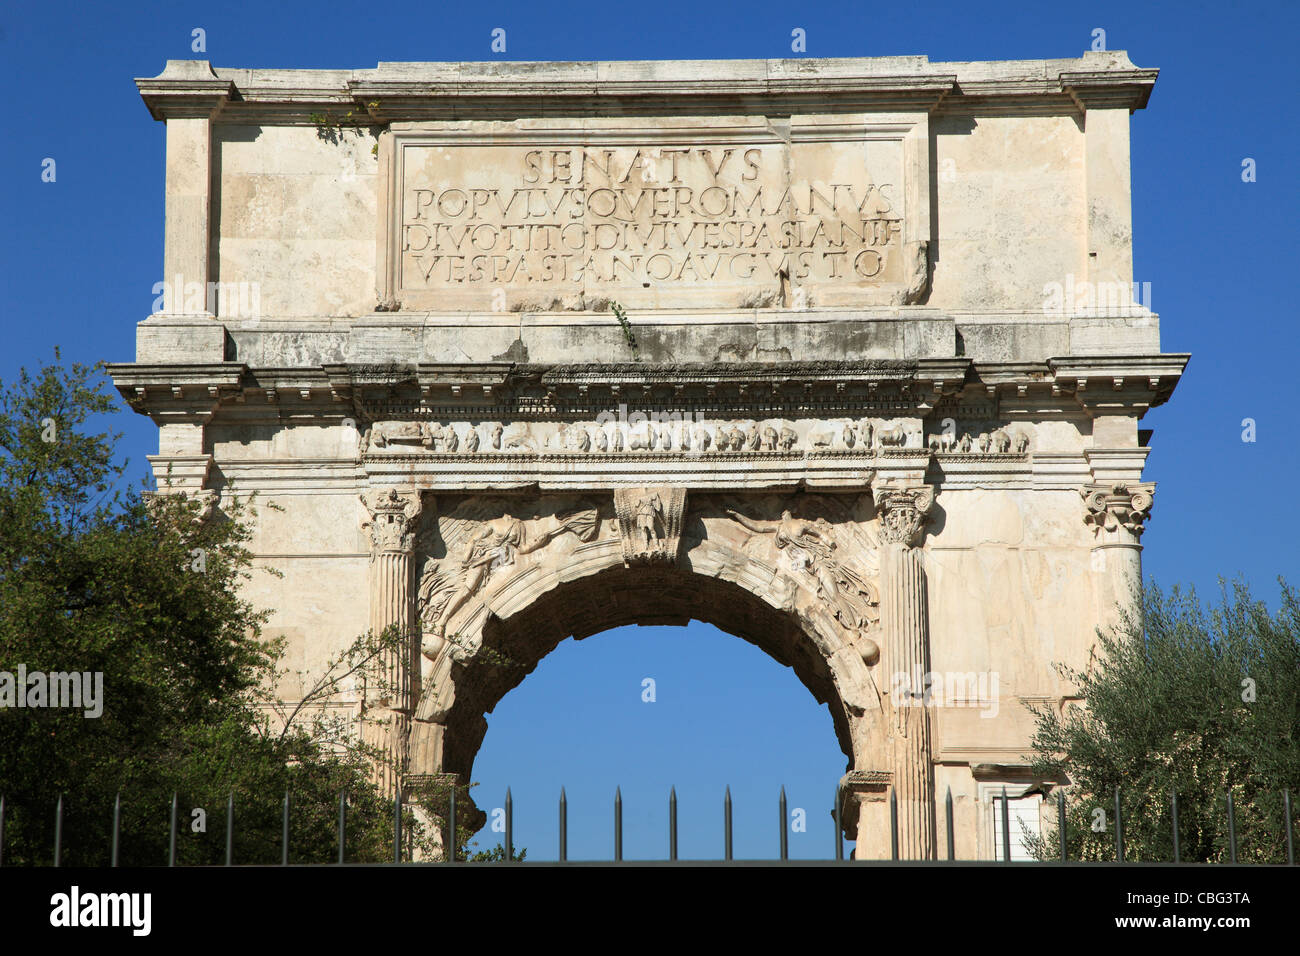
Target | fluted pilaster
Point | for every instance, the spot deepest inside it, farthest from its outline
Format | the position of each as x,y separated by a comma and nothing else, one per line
392,691
391,590
905,617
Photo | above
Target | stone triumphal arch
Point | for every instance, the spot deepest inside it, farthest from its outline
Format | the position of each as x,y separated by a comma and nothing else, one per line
841,356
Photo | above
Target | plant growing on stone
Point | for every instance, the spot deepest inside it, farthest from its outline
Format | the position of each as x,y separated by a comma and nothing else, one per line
627,329
331,128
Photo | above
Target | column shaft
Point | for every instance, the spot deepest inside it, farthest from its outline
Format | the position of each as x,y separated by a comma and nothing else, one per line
391,694
391,603
907,622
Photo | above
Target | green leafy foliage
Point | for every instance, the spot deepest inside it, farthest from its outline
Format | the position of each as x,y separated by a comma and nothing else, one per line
1204,700
145,589
496,855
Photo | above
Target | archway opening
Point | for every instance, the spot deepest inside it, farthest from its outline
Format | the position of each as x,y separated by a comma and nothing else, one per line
675,701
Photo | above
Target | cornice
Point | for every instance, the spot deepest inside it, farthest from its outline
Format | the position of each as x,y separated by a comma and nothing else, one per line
1093,89
1107,382
177,393
395,92
185,89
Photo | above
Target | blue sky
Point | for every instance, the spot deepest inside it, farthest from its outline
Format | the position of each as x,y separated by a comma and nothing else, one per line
80,257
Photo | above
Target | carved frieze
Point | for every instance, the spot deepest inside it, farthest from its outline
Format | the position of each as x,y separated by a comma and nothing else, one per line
996,441
676,433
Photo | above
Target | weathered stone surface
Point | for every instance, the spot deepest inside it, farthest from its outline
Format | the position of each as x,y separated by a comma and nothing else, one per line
842,356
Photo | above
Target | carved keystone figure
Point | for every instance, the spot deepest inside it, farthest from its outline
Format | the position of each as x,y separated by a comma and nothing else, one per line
649,520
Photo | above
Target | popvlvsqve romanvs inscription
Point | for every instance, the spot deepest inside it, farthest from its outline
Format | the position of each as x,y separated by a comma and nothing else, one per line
732,225
573,214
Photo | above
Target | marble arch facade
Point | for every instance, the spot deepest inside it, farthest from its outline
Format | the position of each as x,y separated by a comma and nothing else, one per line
839,355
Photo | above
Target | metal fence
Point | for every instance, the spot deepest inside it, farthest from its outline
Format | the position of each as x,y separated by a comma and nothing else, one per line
784,847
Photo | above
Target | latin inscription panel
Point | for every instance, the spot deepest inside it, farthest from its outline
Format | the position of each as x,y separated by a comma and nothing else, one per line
730,223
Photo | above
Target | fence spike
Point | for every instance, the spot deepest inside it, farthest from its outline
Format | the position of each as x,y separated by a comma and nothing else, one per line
839,833
1119,829
952,839
1173,812
450,856
343,822
230,829
1006,827
284,837
564,827
58,832
893,824
1232,831
726,814
618,824
117,828
672,823
785,836
397,823
510,834
1290,841
171,839
1060,820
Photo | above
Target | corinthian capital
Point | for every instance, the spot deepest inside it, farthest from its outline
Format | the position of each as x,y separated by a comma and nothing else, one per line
1115,506
391,520
903,513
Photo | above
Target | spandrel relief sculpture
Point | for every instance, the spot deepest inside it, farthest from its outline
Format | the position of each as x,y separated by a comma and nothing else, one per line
483,536
840,578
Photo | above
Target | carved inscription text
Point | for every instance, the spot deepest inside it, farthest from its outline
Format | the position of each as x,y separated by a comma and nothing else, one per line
613,220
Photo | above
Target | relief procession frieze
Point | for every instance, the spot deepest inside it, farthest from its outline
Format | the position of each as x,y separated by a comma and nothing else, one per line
993,441
686,435
673,434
